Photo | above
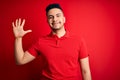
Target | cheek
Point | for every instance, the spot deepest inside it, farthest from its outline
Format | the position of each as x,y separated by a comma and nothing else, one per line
49,21
63,20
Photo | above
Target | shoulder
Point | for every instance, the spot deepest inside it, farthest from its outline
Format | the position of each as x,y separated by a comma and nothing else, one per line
76,37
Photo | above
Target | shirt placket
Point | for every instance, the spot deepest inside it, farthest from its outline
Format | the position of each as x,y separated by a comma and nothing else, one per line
57,42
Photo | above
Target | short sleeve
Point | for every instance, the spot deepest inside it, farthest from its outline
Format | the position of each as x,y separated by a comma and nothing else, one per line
83,49
33,50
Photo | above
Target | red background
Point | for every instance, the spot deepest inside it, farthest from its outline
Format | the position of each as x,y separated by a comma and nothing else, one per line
97,21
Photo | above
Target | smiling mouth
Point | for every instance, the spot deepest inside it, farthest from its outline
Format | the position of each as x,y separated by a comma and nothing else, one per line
55,23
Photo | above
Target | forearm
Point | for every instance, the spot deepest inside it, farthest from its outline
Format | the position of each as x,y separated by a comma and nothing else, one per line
85,68
21,57
86,75
19,53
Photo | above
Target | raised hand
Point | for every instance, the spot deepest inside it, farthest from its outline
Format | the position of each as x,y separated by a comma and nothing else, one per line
18,30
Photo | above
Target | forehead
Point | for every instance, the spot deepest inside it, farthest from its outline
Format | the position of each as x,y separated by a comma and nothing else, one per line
54,11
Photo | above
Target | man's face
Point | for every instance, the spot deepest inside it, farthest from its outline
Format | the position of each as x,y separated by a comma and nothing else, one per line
56,19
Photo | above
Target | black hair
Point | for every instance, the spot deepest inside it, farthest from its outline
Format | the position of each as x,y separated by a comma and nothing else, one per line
51,6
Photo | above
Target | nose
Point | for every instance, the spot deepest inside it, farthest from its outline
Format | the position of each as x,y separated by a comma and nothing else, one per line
55,18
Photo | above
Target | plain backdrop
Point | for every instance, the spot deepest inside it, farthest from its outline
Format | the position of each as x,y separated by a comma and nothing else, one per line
97,21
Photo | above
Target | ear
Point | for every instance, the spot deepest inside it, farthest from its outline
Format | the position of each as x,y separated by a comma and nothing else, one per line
64,19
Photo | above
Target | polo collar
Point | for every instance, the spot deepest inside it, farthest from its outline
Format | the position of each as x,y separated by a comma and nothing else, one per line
66,35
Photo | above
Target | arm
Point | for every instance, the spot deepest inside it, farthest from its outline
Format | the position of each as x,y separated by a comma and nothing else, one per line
85,69
21,57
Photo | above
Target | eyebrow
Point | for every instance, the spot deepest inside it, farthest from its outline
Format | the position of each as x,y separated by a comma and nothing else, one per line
56,14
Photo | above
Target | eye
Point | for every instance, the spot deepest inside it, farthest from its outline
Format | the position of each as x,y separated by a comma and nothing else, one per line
50,17
58,15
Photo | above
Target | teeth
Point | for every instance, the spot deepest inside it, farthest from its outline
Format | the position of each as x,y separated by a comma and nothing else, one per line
55,23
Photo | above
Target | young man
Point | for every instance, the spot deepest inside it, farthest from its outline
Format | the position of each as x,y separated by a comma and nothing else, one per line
65,55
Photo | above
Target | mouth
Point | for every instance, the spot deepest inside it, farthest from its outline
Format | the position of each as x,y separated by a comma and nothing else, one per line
55,23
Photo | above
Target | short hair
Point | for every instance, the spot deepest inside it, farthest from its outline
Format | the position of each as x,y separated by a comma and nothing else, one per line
51,6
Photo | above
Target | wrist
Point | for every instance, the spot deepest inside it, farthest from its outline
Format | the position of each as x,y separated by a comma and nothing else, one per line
18,38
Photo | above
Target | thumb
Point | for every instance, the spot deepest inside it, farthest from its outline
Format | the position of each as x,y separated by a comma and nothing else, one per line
28,31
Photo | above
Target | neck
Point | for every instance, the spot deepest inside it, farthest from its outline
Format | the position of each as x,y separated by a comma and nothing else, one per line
60,32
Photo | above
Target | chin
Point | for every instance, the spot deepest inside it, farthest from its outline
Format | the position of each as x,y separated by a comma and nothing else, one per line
56,28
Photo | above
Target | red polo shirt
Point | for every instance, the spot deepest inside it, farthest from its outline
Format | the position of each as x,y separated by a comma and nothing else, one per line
61,55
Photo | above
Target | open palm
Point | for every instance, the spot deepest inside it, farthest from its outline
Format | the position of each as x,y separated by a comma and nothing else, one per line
18,28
